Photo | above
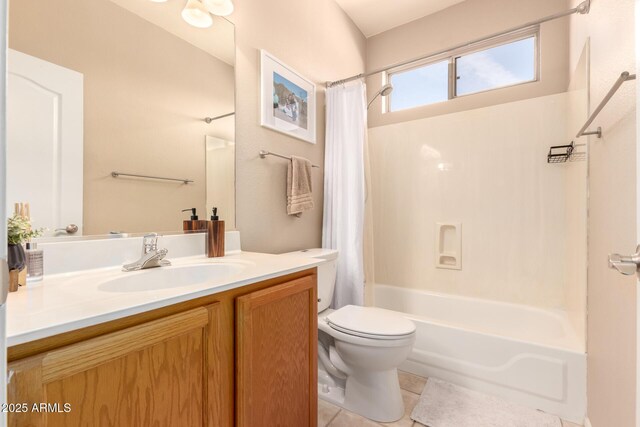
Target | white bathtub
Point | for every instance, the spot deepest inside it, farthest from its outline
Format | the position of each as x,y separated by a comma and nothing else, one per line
523,354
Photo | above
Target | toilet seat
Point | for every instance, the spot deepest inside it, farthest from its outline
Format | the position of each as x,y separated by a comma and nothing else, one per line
338,335
371,322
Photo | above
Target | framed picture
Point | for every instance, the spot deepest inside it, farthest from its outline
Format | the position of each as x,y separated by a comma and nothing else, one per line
288,100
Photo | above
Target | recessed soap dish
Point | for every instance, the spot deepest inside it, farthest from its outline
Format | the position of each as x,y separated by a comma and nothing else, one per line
448,245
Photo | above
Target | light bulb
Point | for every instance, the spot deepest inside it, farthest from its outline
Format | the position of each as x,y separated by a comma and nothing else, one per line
219,7
196,14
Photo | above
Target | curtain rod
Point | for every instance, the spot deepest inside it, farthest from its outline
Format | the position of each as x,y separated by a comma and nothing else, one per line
582,9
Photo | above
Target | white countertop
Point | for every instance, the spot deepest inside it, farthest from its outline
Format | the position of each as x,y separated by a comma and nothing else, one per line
69,301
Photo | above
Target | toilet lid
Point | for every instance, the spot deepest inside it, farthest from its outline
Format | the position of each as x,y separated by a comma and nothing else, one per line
370,321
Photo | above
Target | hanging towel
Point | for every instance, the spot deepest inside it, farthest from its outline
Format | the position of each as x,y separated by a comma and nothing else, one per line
299,186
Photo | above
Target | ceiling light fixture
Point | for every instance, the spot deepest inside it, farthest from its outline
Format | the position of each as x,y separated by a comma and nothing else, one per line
219,7
196,14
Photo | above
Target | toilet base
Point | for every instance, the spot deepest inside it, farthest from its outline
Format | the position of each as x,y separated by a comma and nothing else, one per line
375,396
331,394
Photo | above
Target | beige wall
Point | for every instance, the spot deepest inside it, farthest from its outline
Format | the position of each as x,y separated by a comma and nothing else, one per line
145,94
611,307
458,24
316,38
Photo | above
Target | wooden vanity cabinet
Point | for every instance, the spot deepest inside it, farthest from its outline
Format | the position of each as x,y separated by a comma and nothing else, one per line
244,357
149,374
277,341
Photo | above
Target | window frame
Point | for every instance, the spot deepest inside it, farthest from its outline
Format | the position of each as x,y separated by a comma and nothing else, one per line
453,55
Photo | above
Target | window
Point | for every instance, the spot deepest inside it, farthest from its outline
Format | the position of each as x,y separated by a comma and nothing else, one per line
497,67
486,66
420,86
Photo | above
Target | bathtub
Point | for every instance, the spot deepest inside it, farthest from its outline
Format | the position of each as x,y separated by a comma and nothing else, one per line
523,354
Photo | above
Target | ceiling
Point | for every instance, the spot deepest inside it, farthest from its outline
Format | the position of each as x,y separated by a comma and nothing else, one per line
376,16
218,40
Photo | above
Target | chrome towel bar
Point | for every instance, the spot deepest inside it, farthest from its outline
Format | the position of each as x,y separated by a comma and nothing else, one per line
212,119
624,77
563,153
264,154
117,174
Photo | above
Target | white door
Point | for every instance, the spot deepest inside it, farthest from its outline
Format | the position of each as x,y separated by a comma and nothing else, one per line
44,141
4,280
637,37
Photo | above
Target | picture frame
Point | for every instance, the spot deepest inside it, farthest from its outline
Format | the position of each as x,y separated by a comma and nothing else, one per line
288,100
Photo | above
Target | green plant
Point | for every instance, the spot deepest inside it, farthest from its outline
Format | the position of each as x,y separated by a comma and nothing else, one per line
19,230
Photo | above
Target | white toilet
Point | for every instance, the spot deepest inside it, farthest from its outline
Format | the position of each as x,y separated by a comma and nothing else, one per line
359,350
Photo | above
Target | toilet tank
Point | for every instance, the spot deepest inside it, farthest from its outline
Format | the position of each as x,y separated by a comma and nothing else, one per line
326,274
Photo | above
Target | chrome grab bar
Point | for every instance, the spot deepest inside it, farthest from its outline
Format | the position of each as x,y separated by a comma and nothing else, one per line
624,77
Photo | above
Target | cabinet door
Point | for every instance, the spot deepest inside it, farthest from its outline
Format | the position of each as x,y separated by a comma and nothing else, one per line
152,374
277,356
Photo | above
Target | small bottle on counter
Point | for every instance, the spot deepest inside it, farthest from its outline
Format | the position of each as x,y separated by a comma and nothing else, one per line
35,262
215,236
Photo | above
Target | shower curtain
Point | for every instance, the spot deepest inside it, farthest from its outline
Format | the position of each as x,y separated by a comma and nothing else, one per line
344,188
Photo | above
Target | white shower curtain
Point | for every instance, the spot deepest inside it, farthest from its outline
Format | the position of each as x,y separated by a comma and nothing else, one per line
344,188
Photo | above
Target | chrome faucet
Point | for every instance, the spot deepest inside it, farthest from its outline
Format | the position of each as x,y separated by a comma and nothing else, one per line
151,256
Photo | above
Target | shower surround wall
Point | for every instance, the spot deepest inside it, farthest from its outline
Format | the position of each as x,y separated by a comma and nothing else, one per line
576,197
485,168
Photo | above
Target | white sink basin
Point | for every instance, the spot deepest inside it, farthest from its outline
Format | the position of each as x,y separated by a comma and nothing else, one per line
170,277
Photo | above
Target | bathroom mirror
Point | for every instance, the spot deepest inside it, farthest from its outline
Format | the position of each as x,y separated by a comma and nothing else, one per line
120,115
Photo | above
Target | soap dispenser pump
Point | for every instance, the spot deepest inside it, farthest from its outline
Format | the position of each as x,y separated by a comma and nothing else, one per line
215,235
193,224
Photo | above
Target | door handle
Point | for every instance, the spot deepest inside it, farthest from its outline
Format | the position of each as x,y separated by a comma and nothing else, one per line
69,229
627,265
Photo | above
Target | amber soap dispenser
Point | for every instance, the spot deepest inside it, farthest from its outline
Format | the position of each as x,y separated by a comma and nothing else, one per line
215,235
193,224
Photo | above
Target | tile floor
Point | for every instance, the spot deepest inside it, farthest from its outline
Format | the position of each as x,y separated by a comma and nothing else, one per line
332,416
